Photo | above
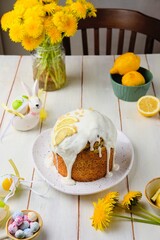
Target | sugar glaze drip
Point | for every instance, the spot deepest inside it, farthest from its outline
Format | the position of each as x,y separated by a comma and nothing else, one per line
90,128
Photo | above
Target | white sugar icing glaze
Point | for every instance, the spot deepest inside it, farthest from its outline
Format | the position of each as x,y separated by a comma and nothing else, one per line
90,128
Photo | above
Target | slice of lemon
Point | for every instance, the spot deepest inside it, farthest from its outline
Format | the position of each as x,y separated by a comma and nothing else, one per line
148,105
62,133
65,121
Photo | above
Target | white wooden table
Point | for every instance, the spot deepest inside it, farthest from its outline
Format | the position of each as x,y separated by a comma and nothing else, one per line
67,216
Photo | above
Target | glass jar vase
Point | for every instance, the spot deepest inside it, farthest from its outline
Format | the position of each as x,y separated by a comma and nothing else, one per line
49,66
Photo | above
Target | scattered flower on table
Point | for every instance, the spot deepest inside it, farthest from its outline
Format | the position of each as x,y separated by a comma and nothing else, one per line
108,208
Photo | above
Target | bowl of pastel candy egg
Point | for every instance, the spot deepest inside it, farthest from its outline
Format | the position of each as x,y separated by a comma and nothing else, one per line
25,224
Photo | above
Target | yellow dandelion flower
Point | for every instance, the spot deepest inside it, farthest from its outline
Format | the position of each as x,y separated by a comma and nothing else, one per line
78,9
7,20
30,43
54,34
50,8
66,23
112,197
19,11
131,198
34,12
33,27
16,32
102,215
91,11
58,19
70,26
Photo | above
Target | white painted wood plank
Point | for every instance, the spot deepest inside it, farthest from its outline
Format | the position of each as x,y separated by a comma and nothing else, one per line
17,145
8,68
60,211
98,94
144,134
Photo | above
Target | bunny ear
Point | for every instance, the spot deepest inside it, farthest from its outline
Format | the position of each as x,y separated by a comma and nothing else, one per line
35,88
27,89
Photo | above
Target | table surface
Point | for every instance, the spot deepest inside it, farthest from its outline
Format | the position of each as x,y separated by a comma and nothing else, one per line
68,216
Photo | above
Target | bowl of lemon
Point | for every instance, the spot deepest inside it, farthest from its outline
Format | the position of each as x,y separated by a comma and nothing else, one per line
129,80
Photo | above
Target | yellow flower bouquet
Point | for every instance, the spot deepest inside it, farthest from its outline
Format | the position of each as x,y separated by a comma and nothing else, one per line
41,25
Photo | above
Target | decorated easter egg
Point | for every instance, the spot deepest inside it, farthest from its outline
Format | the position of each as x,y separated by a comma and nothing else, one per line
28,232
17,214
19,234
24,225
16,104
12,228
32,216
34,226
5,184
18,220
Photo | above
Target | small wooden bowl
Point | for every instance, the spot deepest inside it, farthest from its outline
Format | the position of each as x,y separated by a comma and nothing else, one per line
150,189
36,234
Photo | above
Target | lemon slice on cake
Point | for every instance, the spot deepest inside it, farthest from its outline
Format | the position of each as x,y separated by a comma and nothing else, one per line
65,121
148,105
62,133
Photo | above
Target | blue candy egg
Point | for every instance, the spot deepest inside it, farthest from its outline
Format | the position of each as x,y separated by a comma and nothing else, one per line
19,234
34,226
28,232
24,225
17,214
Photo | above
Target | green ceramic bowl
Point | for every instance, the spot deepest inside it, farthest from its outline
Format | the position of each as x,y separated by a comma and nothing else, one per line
131,94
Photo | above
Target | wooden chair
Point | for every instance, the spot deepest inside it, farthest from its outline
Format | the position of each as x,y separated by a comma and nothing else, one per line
123,20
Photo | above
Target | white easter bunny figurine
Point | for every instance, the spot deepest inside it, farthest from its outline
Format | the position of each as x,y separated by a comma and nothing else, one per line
30,108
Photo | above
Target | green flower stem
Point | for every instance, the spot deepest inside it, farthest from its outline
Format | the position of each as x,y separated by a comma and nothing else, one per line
136,219
148,213
49,65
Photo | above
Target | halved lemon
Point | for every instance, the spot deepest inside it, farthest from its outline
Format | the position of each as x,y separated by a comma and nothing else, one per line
62,133
148,105
65,121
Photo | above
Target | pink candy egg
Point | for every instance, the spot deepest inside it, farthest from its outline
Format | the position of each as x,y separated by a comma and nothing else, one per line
18,220
12,228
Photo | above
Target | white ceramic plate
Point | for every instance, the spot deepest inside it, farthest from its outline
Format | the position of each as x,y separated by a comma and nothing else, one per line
124,158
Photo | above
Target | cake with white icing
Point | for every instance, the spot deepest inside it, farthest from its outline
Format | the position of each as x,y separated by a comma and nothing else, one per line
83,144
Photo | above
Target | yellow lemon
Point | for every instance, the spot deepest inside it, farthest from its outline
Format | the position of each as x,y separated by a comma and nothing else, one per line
158,200
62,133
7,183
65,121
148,106
133,78
125,63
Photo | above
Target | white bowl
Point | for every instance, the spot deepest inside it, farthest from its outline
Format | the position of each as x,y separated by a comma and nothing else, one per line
150,189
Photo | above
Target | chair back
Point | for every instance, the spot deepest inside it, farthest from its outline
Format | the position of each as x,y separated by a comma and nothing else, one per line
127,22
